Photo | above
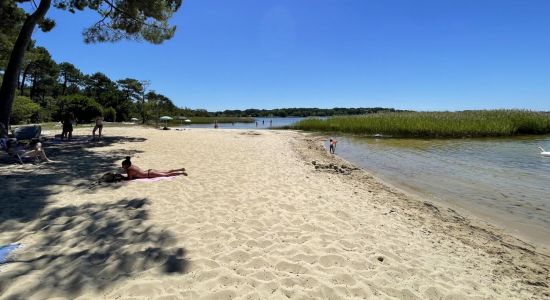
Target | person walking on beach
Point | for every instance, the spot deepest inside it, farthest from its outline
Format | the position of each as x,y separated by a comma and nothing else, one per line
98,125
134,172
67,132
332,147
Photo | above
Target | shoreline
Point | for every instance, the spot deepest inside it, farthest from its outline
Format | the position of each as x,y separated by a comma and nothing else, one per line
254,219
475,217
478,213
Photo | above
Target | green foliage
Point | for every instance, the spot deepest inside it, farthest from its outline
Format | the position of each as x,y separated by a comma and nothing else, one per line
158,105
41,71
130,88
127,19
101,88
23,109
84,108
44,115
436,124
109,114
70,75
119,19
11,20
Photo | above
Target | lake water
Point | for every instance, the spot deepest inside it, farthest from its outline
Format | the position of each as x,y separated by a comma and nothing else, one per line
263,123
504,180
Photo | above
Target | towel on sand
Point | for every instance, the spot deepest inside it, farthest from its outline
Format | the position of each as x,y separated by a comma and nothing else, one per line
153,179
6,250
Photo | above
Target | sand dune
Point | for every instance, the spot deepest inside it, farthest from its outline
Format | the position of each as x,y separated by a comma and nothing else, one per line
253,220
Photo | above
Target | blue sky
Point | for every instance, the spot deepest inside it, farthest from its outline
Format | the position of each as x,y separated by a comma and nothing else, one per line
421,54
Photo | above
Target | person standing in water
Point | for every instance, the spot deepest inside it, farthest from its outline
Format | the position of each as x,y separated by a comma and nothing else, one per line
98,125
332,147
270,123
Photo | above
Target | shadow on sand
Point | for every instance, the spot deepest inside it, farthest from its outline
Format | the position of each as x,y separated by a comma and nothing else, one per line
90,247
26,188
76,247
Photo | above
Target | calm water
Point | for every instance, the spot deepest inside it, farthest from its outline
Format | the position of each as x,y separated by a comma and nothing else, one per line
263,123
505,181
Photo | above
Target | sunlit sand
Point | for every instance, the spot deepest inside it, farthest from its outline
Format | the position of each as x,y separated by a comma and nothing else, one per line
255,219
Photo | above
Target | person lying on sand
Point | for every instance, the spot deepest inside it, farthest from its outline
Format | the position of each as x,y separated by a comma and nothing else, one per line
134,172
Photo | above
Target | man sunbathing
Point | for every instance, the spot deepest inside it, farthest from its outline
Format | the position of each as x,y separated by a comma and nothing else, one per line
134,172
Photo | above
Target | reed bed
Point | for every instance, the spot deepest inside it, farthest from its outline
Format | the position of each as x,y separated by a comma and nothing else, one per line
478,123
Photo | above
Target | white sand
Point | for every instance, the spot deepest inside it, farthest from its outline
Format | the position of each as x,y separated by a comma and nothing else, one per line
253,220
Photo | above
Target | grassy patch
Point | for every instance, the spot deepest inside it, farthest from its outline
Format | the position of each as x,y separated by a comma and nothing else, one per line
478,123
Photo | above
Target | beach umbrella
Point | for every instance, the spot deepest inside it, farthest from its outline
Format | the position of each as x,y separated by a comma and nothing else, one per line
166,119
187,121
181,118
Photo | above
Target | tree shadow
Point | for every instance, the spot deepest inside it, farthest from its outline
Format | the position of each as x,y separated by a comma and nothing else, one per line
26,189
89,247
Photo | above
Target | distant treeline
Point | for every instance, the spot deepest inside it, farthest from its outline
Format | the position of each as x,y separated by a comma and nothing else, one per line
302,112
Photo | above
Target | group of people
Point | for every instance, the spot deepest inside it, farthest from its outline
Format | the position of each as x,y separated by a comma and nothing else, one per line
34,150
263,123
67,122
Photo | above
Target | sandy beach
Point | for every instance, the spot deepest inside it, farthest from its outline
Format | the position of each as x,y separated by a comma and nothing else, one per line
262,215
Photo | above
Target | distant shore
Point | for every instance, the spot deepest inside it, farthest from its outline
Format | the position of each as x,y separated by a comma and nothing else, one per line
262,214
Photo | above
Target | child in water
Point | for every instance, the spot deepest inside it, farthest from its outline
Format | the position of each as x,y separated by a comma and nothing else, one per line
332,147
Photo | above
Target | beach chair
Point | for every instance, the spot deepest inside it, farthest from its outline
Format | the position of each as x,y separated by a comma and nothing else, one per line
5,149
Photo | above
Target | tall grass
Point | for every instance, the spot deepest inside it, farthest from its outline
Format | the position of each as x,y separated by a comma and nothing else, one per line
478,123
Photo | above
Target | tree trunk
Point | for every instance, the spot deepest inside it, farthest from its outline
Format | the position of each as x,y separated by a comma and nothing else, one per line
25,72
18,79
32,87
9,85
64,85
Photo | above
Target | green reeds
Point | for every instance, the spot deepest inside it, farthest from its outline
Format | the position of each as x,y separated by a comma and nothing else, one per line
475,123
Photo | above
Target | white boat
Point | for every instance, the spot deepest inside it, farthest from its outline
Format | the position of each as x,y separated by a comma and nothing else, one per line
544,153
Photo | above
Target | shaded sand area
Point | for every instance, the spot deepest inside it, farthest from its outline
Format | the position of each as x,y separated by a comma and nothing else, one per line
255,219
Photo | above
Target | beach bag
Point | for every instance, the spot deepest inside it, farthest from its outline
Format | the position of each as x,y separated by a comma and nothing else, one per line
111,177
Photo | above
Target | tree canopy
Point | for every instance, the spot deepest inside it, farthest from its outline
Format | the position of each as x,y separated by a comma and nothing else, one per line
118,19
